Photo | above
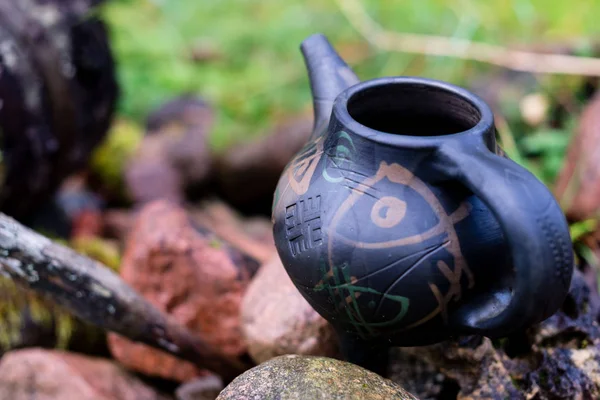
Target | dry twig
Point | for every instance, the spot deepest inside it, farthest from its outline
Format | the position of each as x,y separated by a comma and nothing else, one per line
95,294
538,63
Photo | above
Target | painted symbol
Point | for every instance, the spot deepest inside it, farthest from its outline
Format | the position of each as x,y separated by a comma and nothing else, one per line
303,225
339,158
303,167
389,212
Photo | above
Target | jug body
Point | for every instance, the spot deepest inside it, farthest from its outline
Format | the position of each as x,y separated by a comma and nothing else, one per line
402,220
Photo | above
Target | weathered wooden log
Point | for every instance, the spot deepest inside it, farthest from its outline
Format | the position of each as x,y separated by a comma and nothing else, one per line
95,294
58,92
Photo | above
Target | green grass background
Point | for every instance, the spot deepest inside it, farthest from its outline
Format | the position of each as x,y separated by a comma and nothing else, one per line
257,75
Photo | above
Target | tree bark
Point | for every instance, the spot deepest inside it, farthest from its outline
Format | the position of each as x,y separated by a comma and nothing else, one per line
58,90
95,294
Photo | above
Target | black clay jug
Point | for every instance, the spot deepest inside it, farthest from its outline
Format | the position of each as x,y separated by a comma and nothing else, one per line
403,223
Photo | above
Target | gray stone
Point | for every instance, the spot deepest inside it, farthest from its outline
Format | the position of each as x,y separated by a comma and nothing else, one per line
277,320
202,388
41,374
292,377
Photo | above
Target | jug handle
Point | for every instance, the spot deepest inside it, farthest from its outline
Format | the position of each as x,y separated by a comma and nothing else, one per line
535,230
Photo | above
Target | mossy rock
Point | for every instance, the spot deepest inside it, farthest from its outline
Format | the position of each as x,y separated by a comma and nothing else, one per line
293,377
110,158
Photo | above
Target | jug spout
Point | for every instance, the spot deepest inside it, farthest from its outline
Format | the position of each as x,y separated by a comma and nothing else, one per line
329,75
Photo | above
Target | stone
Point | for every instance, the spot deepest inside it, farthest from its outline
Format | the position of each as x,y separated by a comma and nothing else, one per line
556,359
151,177
251,236
277,320
74,210
149,361
568,373
87,223
417,376
174,154
255,167
184,123
204,388
117,224
474,364
292,377
190,277
50,374
261,229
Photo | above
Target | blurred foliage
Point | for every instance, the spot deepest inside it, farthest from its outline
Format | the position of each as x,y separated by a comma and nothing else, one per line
582,228
16,303
244,56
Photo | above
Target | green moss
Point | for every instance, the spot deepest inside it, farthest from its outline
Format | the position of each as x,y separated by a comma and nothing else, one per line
309,377
110,158
15,302
99,249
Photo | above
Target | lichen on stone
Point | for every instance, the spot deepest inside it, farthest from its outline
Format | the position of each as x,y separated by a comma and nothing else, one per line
292,377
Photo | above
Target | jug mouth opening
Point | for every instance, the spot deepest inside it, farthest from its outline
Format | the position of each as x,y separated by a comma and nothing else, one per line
412,107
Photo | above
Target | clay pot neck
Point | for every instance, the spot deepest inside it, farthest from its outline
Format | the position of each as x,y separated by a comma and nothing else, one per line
411,112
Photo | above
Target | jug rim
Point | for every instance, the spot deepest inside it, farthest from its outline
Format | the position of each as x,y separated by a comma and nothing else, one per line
485,125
